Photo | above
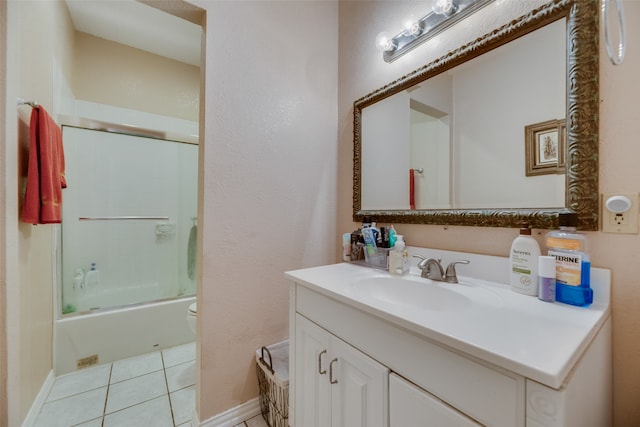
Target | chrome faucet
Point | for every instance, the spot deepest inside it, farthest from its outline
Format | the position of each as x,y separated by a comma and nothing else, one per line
431,268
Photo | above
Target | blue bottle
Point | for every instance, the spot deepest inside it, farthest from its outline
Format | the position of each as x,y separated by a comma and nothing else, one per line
573,267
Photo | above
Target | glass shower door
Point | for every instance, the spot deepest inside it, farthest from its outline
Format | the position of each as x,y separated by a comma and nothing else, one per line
129,217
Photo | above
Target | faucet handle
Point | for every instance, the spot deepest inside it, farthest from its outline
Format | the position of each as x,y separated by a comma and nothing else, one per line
450,275
423,261
422,264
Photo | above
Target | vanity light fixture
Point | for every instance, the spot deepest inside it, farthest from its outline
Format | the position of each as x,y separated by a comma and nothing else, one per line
444,14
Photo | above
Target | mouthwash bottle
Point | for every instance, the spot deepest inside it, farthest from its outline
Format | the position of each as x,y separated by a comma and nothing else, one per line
573,266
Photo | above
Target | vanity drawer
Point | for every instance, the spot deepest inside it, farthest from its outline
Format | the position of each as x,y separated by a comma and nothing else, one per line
410,406
486,393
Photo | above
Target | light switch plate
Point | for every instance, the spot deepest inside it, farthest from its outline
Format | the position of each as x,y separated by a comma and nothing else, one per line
625,222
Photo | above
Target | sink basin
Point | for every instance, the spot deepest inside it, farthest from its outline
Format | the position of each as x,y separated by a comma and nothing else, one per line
415,293
427,294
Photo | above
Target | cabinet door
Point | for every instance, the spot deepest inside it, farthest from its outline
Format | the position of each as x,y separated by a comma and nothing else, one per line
359,389
412,406
312,394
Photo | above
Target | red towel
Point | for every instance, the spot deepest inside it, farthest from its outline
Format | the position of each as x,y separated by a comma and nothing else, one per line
412,196
45,173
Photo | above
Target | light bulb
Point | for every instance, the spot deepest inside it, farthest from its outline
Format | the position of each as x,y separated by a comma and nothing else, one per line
415,29
413,26
385,42
443,7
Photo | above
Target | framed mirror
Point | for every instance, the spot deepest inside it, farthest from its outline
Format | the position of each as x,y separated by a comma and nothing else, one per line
500,130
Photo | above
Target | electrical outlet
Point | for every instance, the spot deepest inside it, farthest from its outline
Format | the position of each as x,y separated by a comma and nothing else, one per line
620,213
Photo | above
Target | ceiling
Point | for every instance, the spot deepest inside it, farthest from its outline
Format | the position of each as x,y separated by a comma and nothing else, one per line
135,24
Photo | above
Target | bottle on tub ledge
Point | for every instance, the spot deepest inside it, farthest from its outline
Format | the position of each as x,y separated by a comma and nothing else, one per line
92,277
77,287
573,266
78,280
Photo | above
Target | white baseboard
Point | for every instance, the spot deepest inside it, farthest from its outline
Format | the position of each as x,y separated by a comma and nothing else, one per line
38,402
231,417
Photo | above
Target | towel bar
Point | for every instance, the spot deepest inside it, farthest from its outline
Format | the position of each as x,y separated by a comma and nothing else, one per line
30,103
123,218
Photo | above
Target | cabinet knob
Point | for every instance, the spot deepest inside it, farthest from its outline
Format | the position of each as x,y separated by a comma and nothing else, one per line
320,370
331,380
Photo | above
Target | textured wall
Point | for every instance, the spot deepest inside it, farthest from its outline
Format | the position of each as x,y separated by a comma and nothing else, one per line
619,172
269,179
38,39
110,73
362,70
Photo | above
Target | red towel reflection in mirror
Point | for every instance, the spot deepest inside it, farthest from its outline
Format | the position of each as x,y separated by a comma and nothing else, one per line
412,195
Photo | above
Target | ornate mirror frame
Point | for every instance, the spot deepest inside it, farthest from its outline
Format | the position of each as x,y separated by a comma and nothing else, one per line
582,18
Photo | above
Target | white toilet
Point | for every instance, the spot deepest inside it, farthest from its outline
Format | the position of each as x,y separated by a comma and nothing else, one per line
191,316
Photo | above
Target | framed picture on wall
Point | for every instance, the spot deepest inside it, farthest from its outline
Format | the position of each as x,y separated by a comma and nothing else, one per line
545,145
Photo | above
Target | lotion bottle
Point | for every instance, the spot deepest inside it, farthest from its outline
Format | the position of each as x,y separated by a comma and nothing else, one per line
523,263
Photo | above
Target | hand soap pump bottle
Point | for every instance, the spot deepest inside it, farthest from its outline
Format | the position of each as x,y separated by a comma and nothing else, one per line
78,280
399,257
523,263
573,266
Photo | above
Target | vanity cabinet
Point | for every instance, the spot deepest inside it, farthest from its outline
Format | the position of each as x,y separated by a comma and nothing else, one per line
355,364
490,395
335,384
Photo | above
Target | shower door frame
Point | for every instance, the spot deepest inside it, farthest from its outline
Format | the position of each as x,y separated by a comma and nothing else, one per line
118,129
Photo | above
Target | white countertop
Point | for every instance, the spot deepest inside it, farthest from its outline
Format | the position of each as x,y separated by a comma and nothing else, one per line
538,340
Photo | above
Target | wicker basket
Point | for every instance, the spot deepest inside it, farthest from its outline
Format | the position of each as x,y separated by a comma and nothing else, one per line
272,368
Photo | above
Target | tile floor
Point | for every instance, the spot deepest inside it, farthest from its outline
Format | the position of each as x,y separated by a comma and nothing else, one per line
155,389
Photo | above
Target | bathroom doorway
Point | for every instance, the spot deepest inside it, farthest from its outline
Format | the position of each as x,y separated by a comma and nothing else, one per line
126,263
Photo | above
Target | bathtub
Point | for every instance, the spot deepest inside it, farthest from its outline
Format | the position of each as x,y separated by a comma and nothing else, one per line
121,332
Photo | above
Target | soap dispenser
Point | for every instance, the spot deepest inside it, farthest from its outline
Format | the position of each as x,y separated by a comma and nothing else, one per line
399,257
523,262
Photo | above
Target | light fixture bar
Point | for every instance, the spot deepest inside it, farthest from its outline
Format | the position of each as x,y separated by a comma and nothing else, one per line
432,24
